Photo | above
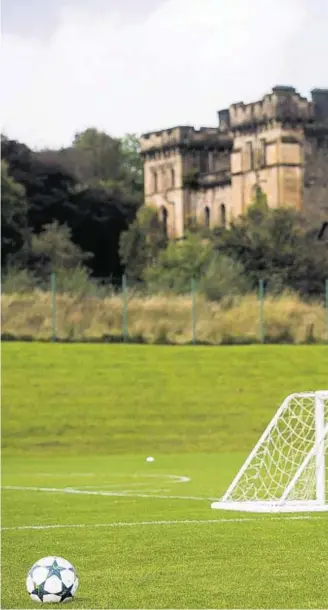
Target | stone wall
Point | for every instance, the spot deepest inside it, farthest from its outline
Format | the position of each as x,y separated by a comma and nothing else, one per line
316,179
279,143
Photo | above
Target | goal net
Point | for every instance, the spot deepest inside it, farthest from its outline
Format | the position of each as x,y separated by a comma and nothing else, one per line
287,471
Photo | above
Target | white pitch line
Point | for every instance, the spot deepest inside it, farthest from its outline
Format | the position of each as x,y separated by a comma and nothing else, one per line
117,494
118,488
173,477
176,522
176,478
58,474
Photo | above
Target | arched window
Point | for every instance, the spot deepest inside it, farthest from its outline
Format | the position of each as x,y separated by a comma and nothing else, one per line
172,177
163,185
223,215
155,183
250,156
164,220
263,152
207,217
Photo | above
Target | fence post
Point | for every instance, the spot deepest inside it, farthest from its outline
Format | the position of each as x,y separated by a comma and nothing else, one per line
53,306
326,306
125,310
261,299
193,310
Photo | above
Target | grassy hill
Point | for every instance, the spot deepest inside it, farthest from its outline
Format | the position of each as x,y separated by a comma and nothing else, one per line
108,399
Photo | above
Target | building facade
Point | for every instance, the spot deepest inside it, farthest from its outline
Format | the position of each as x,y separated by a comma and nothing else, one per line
210,175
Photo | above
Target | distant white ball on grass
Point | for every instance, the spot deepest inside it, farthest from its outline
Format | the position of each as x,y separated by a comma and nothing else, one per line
52,579
150,459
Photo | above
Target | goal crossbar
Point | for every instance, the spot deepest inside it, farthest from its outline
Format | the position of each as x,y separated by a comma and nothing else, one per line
287,469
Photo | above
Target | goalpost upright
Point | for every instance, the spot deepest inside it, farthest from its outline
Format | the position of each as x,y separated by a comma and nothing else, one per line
320,455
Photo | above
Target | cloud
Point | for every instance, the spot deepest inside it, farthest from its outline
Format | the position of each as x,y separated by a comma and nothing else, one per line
179,65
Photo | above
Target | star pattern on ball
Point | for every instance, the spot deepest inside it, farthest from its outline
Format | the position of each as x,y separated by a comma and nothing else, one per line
67,592
55,569
40,591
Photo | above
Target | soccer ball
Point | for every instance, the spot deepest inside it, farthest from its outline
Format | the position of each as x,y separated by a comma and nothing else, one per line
52,579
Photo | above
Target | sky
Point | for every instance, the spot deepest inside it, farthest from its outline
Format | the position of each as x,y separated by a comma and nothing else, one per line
134,66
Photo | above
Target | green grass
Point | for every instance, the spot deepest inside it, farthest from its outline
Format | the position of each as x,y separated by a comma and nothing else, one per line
85,417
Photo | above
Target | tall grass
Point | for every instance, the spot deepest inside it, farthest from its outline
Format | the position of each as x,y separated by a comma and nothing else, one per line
162,318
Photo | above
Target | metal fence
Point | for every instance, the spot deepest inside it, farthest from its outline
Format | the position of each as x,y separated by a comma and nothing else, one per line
129,312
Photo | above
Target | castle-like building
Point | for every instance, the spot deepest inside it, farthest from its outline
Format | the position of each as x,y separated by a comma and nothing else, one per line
210,175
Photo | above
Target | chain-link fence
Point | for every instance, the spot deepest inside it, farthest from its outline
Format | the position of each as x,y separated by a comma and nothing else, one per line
79,309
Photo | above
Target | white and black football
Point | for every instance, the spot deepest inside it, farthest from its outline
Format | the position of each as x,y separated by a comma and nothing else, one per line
52,579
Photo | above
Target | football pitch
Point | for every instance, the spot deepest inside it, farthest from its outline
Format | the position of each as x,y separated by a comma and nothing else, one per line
78,422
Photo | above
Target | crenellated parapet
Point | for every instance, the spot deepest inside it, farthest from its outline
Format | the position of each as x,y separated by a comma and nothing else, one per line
283,105
183,138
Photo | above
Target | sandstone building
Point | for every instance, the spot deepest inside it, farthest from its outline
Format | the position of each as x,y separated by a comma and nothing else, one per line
279,144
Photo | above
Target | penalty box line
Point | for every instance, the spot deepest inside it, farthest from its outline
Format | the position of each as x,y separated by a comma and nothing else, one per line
118,524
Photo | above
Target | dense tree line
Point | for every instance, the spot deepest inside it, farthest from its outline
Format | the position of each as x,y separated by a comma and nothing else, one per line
79,208
94,188
274,245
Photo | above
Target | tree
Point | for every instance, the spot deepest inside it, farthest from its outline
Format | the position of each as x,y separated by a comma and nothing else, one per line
96,160
142,242
53,249
96,216
75,161
98,220
260,199
179,263
223,277
48,187
275,245
132,165
13,215
102,158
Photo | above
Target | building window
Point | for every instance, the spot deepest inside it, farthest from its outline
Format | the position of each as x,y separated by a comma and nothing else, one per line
155,182
223,215
262,153
216,161
164,220
203,162
211,162
172,177
207,217
250,156
163,179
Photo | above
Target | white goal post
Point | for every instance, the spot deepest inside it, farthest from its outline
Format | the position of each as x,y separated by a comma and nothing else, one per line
287,471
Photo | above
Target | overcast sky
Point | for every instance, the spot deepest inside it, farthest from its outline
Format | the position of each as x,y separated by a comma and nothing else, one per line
142,65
